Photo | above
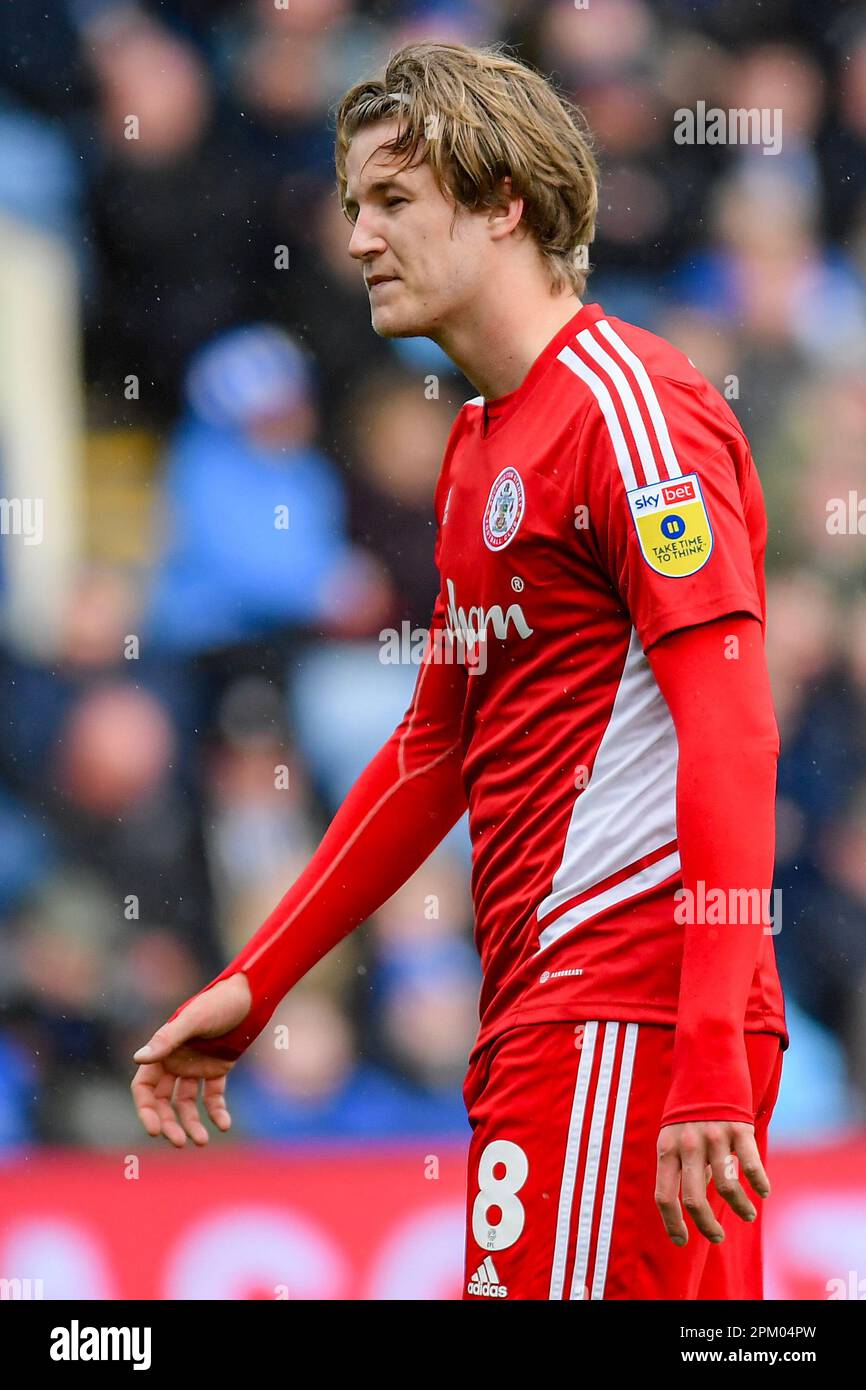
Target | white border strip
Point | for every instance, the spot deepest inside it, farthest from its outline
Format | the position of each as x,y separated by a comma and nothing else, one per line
627,396
570,359
605,1227
593,1161
649,395
569,1171
648,877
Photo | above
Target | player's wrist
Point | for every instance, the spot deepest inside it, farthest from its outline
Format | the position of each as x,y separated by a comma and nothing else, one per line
715,1113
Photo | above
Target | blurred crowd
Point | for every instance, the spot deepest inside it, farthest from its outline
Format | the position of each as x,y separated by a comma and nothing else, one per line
249,482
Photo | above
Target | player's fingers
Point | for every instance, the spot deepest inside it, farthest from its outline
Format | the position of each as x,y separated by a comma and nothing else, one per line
142,1088
170,1036
746,1149
185,1099
170,1128
667,1193
215,1102
693,1159
150,1091
726,1171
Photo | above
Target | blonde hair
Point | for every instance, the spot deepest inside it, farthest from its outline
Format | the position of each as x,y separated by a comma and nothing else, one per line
483,115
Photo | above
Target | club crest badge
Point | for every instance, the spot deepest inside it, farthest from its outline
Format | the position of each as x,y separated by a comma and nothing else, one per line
673,526
504,511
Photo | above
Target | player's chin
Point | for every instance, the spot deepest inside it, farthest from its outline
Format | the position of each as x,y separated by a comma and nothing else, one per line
392,322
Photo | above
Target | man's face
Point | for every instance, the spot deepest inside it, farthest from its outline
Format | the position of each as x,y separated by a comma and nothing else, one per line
403,231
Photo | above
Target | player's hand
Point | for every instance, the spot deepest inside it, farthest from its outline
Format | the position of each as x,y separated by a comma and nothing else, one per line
165,1087
694,1153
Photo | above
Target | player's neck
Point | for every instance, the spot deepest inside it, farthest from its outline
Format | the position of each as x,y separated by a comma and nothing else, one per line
496,344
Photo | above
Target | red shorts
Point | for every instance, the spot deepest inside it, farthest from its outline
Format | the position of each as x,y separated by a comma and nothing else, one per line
562,1169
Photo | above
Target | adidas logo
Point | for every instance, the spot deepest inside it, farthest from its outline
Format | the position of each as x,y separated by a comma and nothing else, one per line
485,1281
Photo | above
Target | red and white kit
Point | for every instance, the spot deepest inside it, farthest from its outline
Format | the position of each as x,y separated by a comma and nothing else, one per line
569,752
561,1198
609,501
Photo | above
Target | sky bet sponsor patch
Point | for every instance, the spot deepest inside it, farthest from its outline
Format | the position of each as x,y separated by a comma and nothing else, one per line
673,528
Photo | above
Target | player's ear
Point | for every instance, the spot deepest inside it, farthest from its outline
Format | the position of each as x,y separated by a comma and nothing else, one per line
506,213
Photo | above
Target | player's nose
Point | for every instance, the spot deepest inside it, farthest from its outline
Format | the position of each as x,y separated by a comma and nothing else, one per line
365,242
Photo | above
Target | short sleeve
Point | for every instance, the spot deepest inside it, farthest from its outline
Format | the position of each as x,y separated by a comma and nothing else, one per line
679,530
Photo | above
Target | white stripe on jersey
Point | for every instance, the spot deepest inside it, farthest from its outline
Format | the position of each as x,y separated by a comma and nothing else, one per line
614,1156
648,877
627,396
592,1164
628,808
592,1161
569,1171
570,358
649,395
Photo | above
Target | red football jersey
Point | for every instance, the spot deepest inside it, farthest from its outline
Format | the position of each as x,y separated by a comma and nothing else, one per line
608,501
611,499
